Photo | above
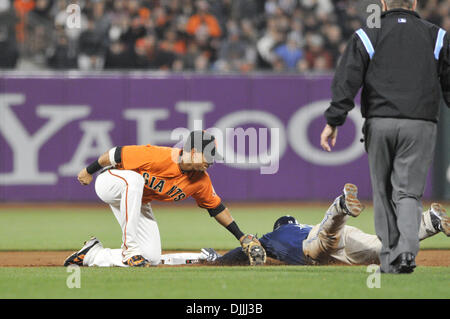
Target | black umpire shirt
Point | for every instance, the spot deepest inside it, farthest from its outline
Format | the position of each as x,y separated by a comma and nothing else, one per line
402,67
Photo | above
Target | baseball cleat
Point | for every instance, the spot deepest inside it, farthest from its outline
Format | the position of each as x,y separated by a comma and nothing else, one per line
439,218
138,261
78,257
349,201
257,255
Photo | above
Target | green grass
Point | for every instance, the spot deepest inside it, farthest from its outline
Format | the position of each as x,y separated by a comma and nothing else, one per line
181,228
279,282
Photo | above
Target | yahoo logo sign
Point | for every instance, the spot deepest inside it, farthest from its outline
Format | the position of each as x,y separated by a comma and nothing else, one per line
248,148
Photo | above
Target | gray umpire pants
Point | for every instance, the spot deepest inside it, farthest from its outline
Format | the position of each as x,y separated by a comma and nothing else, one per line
400,153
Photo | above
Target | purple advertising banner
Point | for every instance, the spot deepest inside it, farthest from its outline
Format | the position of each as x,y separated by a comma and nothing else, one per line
52,126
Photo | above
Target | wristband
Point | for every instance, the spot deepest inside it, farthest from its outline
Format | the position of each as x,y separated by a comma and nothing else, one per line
111,154
234,229
94,167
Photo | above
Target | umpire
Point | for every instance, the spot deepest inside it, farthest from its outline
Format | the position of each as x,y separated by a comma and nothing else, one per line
402,67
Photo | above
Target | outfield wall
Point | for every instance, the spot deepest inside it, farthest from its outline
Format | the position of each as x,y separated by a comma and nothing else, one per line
52,125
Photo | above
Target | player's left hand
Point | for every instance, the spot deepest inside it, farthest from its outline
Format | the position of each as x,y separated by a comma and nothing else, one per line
84,177
209,254
329,132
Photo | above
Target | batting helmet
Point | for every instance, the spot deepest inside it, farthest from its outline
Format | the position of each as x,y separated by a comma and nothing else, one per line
284,220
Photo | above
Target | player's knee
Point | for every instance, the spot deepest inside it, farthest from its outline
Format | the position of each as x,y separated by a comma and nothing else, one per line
135,181
98,182
101,188
329,242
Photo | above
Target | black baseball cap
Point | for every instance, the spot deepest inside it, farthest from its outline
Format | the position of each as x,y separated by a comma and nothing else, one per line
203,142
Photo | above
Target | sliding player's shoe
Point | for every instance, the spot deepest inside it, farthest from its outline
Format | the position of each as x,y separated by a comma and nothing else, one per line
349,201
439,218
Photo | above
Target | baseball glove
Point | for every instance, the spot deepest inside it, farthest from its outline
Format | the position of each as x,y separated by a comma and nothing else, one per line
254,250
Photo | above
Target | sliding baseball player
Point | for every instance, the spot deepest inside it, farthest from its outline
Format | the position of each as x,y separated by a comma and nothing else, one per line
330,241
138,174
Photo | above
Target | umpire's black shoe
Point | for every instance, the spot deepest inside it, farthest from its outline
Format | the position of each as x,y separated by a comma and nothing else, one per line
405,263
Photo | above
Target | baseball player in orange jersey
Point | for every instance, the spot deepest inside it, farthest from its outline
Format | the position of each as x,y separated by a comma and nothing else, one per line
138,174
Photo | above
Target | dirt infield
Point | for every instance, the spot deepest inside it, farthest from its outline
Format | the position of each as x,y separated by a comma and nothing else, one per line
56,258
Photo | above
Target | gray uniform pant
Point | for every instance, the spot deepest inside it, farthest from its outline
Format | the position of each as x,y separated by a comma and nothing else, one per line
400,153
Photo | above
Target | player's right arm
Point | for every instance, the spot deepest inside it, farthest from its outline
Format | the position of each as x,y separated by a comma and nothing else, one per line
109,158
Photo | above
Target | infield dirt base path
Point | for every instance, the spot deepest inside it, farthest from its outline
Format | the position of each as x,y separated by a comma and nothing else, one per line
56,258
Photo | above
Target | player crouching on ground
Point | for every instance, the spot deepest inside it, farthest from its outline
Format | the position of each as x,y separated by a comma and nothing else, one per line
132,177
330,241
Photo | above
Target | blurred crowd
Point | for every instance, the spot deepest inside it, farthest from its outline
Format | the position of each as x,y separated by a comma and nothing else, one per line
184,35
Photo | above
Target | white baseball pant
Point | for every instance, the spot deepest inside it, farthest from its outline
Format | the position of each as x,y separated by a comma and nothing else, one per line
122,190
332,241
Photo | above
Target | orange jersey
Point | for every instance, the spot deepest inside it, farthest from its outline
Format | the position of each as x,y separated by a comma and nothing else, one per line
164,181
